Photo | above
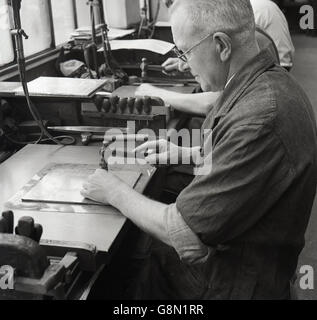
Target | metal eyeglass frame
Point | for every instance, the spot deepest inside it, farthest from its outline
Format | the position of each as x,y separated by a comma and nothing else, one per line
182,55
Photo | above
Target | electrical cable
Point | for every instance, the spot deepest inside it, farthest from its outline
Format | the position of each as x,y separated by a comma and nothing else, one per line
18,33
153,24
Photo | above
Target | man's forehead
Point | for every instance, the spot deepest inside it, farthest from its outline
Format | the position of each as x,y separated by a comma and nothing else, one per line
183,31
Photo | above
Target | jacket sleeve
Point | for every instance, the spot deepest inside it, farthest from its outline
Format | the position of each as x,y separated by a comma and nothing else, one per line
188,246
250,170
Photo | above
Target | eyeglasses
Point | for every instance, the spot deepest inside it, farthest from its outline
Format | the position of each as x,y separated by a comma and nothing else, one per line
182,55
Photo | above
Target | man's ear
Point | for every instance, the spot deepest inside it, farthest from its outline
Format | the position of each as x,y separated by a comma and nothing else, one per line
223,46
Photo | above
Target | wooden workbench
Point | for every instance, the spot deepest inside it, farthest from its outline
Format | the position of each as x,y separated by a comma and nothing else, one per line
99,230
57,89
108,232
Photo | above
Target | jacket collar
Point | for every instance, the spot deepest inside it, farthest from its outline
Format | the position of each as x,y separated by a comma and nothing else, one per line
241,81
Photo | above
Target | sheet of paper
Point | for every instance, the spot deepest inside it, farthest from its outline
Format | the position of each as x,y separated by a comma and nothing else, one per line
63,183
86,29
119,33
163,24
63,87
157,46
113,33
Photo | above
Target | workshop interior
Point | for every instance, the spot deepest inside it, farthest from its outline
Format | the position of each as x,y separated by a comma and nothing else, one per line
84,84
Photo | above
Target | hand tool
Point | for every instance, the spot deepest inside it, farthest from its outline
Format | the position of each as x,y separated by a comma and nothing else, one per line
27,228
87,138
123,103
9,219
3,225
131,102
106,106
114,103
138,105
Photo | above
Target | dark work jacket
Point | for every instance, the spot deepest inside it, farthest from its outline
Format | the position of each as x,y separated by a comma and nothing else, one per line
255,205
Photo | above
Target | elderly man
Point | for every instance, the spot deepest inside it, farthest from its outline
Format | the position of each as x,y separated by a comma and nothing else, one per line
235,232
268,17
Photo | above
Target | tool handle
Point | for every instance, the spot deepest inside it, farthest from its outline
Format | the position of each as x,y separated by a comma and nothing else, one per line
9,219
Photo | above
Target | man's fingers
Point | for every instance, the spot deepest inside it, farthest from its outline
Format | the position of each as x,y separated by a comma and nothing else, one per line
91,178
84,193
158,159
147,145
153,159
85,186
167,62
100,172
171,67
171,64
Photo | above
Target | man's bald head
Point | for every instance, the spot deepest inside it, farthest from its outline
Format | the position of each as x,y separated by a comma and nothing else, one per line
217,36
197,18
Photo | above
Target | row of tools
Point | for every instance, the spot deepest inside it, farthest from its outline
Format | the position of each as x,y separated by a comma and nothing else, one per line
117,105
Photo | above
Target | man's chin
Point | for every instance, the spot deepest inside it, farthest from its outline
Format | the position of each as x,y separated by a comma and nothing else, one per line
205,87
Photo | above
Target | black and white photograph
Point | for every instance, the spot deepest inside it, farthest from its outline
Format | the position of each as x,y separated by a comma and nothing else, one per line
158,155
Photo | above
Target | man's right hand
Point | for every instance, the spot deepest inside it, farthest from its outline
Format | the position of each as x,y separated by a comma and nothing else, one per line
174,65
168,3
161,152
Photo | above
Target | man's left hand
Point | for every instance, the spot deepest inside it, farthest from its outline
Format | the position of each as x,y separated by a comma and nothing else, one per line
147,89
101,186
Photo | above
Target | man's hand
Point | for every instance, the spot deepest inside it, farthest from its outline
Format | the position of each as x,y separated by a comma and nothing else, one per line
174,65
161,152
147,90
168,3
101,186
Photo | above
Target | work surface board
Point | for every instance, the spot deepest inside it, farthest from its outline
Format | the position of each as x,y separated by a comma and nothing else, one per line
62,183
56,188
102,227
62,87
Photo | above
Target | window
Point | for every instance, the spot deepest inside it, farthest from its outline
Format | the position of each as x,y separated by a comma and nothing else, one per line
6,51
48,23
63,20
35,20
83,14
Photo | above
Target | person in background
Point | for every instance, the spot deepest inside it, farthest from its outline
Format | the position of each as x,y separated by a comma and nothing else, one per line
313,3
270,18
168,3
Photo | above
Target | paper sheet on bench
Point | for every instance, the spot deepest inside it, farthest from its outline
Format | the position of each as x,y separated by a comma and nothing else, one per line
157,46
119,33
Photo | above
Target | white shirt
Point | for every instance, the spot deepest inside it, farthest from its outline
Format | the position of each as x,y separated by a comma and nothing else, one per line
270,18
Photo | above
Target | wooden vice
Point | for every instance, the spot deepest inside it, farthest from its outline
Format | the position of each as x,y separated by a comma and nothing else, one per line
26,271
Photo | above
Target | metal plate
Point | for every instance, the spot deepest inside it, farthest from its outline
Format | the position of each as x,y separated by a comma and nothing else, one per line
63,183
